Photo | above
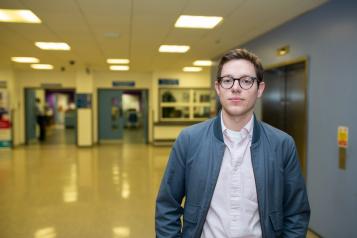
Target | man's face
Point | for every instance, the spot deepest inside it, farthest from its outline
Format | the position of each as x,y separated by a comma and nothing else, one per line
238,102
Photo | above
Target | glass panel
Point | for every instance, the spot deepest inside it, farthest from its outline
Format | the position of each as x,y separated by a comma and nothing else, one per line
201,96
115,113
175,95
201,112
175,112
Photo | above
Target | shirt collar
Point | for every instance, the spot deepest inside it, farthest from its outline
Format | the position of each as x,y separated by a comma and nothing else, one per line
247,129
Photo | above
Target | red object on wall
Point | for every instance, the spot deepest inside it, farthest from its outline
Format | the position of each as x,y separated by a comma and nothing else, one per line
5,124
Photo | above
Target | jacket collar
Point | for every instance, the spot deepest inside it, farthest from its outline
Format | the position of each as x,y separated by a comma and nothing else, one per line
218,129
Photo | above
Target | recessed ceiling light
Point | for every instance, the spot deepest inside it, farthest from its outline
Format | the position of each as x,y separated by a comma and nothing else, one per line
192,69
205,22
174,48
202,63
42,66
118,61
53,45
25,59
119,67
283,50
18,16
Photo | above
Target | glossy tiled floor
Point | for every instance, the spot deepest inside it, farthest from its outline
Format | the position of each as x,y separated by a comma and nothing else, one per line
68,192
58,134
63,191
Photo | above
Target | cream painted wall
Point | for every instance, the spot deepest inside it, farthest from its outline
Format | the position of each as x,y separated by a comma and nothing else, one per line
84,84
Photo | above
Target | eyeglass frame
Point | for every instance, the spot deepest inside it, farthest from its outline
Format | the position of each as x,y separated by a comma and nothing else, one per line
238,79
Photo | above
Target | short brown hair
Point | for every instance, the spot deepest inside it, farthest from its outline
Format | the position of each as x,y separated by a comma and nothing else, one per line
242,54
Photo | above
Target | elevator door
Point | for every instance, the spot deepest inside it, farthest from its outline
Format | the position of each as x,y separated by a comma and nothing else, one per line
284,104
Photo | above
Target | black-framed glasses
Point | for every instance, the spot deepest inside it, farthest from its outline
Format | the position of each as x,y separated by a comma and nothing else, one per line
245,82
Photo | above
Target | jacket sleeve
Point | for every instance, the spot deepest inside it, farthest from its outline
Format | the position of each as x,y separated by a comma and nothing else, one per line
295,204
172,190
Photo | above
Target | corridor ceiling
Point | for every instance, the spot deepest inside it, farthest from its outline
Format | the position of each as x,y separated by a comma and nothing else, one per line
100,29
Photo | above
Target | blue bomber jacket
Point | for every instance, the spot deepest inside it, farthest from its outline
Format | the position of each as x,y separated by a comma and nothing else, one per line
192,172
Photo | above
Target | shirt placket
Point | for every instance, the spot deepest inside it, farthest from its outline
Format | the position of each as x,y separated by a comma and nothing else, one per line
237,157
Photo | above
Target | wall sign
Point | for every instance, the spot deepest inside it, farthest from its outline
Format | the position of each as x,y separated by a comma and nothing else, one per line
165,82
342,142
342,137
123,84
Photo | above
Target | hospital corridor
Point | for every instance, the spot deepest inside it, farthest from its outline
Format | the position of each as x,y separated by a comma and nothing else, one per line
95,94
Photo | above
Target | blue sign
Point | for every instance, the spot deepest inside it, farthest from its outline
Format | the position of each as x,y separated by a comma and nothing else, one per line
169,82
83,100
123,84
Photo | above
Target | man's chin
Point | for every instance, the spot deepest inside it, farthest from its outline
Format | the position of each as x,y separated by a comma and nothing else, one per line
236,112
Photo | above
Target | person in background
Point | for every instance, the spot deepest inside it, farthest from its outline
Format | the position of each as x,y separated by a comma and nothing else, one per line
240,177
41,119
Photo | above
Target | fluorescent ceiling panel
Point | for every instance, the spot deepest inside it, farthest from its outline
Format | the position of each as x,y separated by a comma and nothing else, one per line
18,16
174,48
119,67
118,61
53,45
42,66
25,59
192,69
205,22
202,63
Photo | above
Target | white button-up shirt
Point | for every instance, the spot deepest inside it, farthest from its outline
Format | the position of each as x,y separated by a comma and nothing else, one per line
233,211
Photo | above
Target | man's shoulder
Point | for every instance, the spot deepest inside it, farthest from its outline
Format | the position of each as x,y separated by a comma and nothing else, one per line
273,133
198,128
195,137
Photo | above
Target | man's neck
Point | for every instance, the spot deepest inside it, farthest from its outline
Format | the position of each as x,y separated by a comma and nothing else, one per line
235,123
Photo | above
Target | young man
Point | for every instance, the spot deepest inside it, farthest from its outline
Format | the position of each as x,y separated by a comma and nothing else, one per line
240,177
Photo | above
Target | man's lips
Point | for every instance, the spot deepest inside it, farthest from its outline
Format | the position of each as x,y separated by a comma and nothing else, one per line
235,99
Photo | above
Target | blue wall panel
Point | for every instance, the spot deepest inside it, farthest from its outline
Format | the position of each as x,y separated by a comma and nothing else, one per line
328,37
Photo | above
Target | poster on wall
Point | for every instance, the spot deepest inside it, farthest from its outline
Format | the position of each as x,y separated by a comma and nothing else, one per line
83,100
5,120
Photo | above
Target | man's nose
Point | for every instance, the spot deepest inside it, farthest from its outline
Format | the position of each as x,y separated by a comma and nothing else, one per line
236,86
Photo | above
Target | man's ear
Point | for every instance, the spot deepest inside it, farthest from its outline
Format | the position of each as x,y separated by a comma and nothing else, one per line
217,87
261,88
